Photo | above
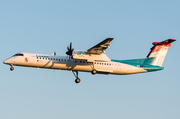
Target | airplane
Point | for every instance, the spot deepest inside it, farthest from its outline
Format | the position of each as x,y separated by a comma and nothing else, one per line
94,60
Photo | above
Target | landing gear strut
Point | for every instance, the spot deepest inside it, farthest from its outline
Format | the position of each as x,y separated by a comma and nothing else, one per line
92,66
76,75
11,68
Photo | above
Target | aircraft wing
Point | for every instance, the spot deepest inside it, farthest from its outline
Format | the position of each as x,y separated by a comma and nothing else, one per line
101,47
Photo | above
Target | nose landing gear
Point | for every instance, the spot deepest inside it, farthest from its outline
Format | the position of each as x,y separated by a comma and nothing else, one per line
11,68
76,75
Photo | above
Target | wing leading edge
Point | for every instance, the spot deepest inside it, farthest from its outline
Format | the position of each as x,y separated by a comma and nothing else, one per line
101,47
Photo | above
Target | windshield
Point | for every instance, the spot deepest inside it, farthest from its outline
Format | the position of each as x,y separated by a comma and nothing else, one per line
18,54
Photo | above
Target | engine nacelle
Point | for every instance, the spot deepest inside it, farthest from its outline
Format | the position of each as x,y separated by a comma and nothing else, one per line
83,55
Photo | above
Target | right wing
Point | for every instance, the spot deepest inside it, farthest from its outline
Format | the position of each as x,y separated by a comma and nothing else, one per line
101,47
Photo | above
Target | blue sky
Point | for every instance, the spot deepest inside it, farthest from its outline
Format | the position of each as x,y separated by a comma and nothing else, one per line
46,26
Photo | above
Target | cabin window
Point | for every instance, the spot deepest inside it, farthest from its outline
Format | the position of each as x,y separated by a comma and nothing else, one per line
83,61
39,57
80,61
64,60
61,59
75,61
56,59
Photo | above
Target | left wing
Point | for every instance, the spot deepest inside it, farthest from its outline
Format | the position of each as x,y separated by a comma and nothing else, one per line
101,47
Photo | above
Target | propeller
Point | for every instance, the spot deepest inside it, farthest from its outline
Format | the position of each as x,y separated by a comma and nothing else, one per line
70,49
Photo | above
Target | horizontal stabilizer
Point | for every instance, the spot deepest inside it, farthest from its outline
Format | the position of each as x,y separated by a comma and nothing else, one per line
166,42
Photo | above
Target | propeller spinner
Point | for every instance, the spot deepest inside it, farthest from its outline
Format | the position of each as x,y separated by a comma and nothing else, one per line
70,49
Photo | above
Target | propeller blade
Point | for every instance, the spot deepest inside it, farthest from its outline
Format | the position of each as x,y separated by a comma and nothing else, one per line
70,49
70,45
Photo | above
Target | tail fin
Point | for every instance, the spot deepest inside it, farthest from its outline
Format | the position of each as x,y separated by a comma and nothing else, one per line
158,52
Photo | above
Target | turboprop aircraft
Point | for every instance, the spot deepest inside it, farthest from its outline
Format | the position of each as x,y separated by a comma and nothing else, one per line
94,60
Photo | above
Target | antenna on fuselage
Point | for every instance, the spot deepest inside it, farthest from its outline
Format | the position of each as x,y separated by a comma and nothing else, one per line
54,53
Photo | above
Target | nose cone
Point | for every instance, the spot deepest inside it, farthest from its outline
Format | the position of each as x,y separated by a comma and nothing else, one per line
8,61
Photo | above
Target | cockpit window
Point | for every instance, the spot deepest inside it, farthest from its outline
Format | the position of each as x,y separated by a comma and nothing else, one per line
18,55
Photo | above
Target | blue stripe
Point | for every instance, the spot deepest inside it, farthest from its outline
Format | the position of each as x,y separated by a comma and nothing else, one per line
141,63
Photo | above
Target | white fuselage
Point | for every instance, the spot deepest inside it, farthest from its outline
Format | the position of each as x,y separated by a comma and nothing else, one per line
66,63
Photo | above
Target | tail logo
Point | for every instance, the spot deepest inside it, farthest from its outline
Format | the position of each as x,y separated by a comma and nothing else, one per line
158,49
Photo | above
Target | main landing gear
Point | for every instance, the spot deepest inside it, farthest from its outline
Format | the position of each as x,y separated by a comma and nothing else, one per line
76,75
93,72
11,68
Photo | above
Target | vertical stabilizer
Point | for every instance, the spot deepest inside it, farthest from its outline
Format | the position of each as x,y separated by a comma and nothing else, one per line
159,51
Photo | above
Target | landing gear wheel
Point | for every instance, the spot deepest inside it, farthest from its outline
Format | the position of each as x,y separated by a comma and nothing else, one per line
77,80
93,71
12,68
